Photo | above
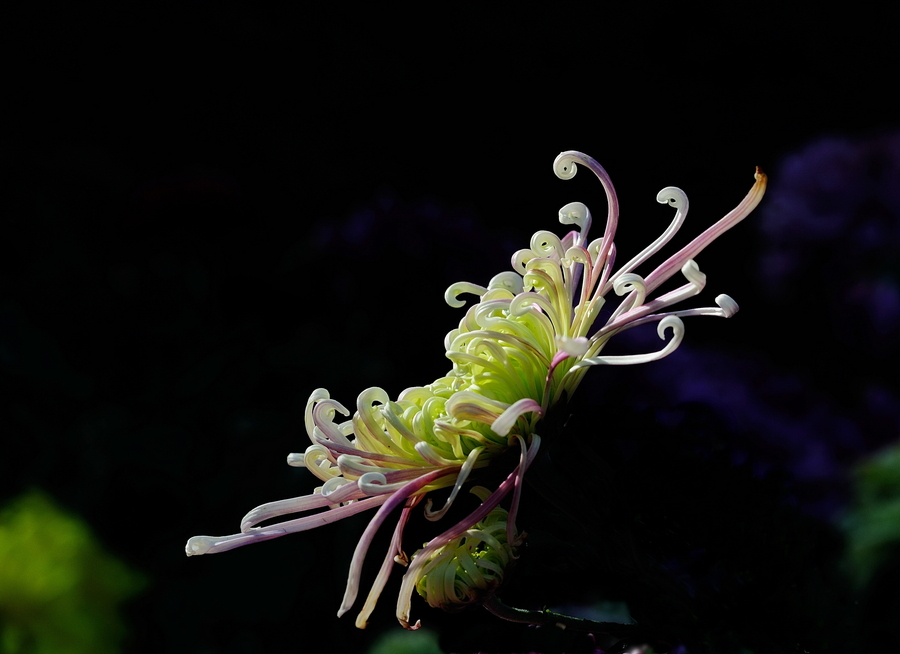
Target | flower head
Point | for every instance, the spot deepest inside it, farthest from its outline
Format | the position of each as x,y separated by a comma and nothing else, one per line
525,344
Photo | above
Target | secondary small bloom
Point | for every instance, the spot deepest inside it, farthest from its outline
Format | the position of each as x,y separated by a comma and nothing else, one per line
527,341
469,568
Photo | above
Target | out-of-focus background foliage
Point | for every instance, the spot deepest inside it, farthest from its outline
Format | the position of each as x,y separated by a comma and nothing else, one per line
211,209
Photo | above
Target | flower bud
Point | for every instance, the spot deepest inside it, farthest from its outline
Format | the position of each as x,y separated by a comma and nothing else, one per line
468,569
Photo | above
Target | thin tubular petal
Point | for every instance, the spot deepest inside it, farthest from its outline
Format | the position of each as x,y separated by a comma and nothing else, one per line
575,213
461,478
467,405
323,416
507,419
390,503
632,317
412,574
725,309
450,295
669,322
297,504
316,396
375,483
384,572
565,168
214,544
517,485
374,456
368,431
674,197
431,455
629,283
508,281
692,249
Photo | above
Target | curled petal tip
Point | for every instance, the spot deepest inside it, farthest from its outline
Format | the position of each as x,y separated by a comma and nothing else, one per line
505,421
450,295
693,274
576,213
198,545
673,196
564,165
670,322
727,304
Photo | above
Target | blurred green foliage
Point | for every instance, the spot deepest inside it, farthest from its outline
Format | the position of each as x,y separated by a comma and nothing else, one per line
873,526
59,590
393,641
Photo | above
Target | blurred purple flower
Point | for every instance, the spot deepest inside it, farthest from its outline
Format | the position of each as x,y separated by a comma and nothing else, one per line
832,233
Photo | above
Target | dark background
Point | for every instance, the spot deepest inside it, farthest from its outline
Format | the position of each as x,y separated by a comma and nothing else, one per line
212,209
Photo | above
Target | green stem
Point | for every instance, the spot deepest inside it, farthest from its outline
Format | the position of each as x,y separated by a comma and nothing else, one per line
545,617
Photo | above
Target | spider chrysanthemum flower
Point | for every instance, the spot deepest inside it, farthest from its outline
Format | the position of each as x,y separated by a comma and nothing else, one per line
525,344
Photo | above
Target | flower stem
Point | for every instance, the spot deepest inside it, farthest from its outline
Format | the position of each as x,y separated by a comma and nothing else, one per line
546,617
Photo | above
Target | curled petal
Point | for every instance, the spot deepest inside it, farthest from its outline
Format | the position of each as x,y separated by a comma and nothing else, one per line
507,419
729,306
577,254
375,483
649,312
336,450
431,455
576,213
461,478
331,486
725,309
691,272
630,282
357,466
564,165
450,295
415,394
669,322
524,302
319,461
547,244
391,502
368,421
674,197
323,418
520,260
508,281
467,405
317,395
565,168
692,249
